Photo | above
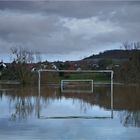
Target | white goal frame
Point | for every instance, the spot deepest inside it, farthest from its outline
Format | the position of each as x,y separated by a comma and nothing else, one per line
75,71
77,80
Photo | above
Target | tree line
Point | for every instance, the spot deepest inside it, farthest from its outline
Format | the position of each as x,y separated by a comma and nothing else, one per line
24,58
130,70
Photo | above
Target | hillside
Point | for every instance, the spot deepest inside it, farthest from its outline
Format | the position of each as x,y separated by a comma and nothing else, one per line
113,54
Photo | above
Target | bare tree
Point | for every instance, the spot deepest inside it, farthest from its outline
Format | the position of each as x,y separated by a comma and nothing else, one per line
22,55
130,45
38,56
136,45
126,45
133,65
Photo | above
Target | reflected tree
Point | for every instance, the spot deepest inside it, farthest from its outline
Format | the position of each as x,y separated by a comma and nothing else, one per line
130,118
23,108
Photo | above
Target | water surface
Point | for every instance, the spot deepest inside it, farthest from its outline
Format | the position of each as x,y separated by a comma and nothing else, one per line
71,115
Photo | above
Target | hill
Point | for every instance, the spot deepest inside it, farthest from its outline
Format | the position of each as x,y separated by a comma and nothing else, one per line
113,54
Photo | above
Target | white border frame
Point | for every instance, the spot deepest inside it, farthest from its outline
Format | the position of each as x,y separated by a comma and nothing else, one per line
76,71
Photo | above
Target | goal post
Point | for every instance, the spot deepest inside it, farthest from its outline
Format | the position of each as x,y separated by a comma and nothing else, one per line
79,85
75,80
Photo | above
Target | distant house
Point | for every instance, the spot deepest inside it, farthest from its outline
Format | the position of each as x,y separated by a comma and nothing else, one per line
109,67
95,66
2,65
54,67
78,69
72,66
117,65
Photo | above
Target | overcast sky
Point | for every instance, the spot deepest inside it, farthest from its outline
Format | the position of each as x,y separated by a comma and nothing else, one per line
67,30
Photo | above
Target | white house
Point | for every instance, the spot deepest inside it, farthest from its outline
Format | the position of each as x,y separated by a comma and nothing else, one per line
2,65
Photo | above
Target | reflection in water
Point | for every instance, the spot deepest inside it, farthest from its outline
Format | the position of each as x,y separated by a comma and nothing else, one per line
20,101
130,118
128,98
23,108
23,102
87,101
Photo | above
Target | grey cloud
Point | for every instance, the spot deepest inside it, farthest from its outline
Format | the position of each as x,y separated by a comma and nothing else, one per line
79,9
61,27
45,33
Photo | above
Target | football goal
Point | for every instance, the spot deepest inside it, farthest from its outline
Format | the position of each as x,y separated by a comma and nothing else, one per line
77,85
75,82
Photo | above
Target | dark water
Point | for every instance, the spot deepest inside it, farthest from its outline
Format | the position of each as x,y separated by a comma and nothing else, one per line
56,115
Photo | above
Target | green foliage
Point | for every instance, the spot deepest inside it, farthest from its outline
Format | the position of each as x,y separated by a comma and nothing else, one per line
95,76
130,71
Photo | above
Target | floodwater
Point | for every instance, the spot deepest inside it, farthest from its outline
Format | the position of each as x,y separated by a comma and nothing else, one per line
72,115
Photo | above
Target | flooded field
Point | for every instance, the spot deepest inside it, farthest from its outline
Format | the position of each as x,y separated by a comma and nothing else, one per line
24,114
